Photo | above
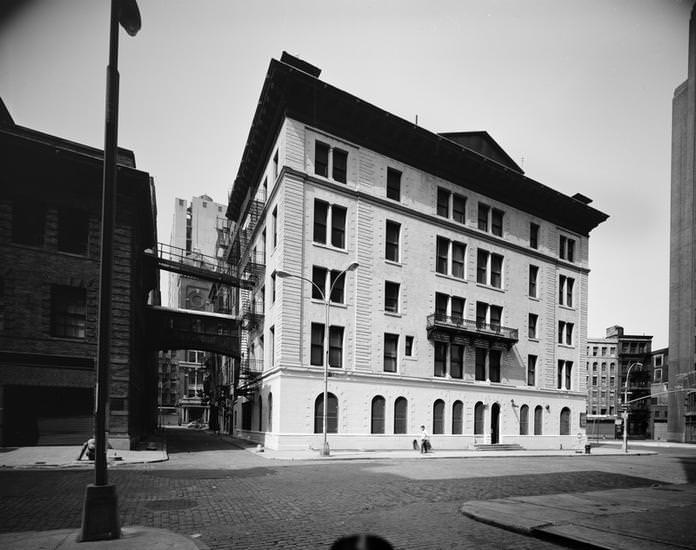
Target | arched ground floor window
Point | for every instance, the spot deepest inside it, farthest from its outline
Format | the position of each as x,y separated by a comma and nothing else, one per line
331,414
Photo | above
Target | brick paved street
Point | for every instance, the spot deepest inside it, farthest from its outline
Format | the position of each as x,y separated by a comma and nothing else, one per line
235,499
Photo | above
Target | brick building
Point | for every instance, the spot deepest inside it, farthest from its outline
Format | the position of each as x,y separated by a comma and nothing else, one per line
467,311
608,360
659,375
50,192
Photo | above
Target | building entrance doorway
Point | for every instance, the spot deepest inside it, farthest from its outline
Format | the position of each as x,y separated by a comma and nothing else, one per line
495,423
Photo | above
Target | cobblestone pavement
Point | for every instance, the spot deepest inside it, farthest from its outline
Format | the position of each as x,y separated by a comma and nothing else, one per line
247,502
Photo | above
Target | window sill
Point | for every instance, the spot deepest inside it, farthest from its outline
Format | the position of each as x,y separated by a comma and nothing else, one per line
330,247
489,287
393,262
75,339
323,303
567,346
533,339
534,298
392,313
450,277
568,308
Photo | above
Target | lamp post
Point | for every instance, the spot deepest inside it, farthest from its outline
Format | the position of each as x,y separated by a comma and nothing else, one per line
625,413
100,511
326,297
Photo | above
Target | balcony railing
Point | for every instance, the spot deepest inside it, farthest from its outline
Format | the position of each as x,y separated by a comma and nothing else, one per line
250,368
439,325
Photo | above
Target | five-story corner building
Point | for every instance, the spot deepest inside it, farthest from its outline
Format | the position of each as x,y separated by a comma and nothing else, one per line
463,306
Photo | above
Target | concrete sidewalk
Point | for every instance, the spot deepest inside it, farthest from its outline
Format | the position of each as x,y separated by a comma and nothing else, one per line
131,537
658,517
65,456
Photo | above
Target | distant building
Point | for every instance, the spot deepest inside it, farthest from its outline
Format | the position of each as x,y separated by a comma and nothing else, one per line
608,361
659,366
682,283
49,290
194,236
466,312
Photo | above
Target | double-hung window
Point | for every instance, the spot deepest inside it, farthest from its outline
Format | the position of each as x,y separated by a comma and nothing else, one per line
565,333
335,345
68,311
330,160
391,297
565,290
452,255
531,370
391,346
566,248
329,215
393,184
533,323
490,219
489,269
533,235
533,275
393,231
458,208
443,199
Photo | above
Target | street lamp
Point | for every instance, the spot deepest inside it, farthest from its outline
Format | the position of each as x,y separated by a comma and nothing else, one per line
326,297
625,413
100,511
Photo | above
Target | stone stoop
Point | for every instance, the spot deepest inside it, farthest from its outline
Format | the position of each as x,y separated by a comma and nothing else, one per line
498,447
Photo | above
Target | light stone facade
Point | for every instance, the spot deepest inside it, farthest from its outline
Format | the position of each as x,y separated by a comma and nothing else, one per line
292,384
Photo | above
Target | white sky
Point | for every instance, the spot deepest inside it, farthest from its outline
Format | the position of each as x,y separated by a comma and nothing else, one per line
580,89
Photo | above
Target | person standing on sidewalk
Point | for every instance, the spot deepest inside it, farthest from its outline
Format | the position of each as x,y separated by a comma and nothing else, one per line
425,440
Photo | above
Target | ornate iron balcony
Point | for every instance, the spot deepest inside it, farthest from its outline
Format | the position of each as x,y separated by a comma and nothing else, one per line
443,327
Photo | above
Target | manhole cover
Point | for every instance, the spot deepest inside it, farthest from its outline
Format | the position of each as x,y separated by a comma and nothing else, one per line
171,504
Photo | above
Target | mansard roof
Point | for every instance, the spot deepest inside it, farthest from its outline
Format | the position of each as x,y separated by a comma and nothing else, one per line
296,92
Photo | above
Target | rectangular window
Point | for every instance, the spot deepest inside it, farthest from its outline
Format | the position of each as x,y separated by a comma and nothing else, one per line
271,334
442,255
273,288
531,370
317,351
561,331
482,267
533,274
68,311
392,241
457,309
391,345
440,359
275,165
340,165
321,159
336,347
274,223
393,184
321,214
458,208
456,360
483,212
458,254
497,222
73,230
566,248
441,301
496,270
28,222
480,368
565,291
496,317
443,197
569,334
481,314
391,297
533,320
338,283
494,365
568,374
338,226
560,375
533,235
319,280
408,348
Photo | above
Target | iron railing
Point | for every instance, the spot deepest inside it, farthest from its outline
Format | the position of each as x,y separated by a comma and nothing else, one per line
469,326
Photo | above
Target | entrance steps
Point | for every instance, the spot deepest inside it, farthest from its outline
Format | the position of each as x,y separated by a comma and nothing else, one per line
499,447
